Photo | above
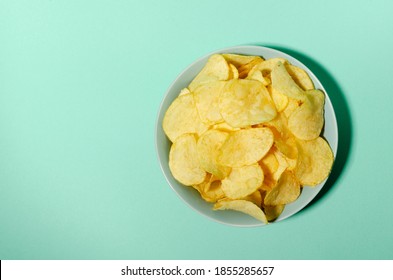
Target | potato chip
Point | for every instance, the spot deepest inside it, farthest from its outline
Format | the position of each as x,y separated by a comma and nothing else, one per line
182,117
292,105
210,189
239,60
225,127
266,67
315,161
206,101
307,120
284,83
234,74
300,77
273,165
288,149
246,147
245,102
242,181
184,91
255,197
209,149
244,206
216,69
183,161
280,100
284,141
244,63
257,76
273,212
286,191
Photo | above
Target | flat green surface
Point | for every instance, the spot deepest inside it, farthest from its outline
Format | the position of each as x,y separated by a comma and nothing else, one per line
80,87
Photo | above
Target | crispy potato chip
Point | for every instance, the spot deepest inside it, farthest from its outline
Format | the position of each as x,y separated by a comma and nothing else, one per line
216,69
183,161
234,74
182,117
300,77
257,76
284,83
266,67
273,165
273,212
280,100
225,127
184,91
292,105
245,102
206,101
210,190
288,148
242,181
286,191
244,63
246,147
315,161
269,165
307,120
209,149
239,60
244,206
255,197
284,141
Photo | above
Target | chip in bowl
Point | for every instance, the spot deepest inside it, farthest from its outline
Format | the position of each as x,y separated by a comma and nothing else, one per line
247,129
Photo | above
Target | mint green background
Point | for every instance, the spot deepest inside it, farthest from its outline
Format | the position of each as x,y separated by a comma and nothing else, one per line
80,87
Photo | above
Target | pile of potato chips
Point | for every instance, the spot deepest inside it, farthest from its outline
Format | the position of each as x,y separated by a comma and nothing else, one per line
246,133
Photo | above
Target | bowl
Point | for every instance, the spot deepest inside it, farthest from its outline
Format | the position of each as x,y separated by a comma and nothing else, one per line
189,195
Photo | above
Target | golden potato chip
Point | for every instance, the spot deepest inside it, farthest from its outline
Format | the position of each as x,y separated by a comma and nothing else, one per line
244,206
182,117
183,161
216,69
242,181
284,141
246,147
206,101
210,190
273,165
288,148
257,75
307,120
209,149
286,191
184,91
280,100
273,212
239,60
300,77
265,67
244,63
224,127
268,171
245,102
315,161
292,105
234,74
255,197
284,83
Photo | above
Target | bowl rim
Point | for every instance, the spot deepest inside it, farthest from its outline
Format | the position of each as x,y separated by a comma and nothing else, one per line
245,49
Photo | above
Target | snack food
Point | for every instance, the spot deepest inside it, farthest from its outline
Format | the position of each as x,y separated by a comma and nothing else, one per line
244,134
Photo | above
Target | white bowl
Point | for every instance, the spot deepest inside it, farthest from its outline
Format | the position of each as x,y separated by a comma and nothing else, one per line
191,196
